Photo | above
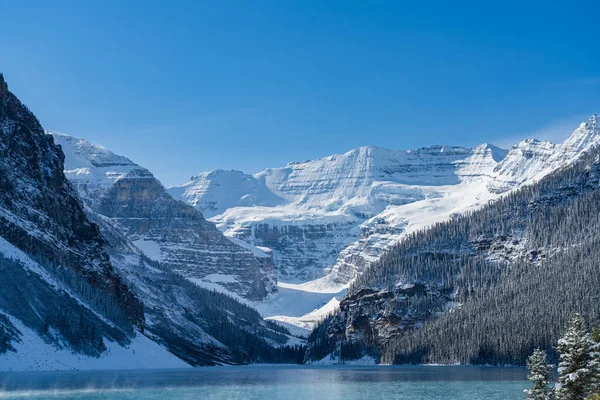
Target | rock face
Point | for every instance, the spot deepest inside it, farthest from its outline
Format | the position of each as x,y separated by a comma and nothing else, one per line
165,229
302,249
41,213
52,257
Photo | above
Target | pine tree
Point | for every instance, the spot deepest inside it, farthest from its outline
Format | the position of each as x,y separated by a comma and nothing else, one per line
575,369
539,373
595,360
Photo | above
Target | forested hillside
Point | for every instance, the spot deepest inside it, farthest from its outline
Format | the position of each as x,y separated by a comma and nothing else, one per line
485,287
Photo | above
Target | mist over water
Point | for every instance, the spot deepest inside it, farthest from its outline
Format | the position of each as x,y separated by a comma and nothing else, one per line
270,382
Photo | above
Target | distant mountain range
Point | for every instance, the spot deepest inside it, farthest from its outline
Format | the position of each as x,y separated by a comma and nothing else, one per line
327,219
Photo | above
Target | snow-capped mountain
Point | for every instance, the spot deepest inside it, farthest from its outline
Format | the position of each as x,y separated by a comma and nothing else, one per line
214,192
484,287
96,260
321,206
335,215
531,159
166,230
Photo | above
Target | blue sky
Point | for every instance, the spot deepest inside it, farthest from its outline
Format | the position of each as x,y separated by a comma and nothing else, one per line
183,87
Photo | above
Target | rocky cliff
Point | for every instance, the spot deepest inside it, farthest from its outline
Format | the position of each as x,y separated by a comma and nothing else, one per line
165,229
53,259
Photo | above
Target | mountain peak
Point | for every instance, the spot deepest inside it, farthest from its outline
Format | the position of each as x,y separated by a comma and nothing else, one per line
3,87
584,137
592,122
85,151
215,173
498,154
591,126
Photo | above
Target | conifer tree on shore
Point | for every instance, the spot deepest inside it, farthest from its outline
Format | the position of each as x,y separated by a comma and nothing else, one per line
540,373
575,374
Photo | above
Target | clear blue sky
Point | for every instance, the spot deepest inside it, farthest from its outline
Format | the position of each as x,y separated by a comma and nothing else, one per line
183,87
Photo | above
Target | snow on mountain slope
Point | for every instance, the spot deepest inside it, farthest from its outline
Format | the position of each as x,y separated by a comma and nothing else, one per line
214,192
392,224
349,182
35,350
525,163
531,159
309,320
32,353
165,229
341,212
333,201
93,170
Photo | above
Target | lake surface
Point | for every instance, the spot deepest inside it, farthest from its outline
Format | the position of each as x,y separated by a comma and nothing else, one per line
271,383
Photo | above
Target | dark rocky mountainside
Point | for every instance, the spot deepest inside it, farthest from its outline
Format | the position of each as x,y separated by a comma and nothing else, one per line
40,213
43,223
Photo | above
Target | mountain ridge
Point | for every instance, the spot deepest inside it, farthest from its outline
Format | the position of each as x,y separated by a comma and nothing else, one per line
57,260
359,202
164,228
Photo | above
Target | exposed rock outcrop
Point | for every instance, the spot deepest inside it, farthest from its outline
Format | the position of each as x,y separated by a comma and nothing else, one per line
40,213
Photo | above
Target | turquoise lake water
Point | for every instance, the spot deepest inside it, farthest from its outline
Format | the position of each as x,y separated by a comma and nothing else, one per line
271,383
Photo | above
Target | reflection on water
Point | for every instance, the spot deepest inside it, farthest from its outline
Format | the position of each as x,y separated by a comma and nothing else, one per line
271,382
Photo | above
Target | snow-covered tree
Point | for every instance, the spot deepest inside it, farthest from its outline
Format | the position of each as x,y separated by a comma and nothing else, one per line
539,373
576,368
595,360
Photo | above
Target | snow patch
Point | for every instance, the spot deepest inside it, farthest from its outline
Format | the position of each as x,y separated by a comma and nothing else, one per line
34,354
309,321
